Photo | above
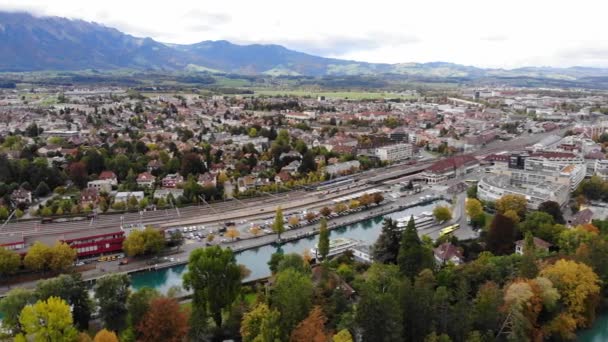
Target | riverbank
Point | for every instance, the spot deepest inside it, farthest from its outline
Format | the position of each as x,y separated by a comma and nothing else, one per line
308,231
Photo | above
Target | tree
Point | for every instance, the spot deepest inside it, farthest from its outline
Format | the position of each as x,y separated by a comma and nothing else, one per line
78,173
215,279
413,256
74,291
295,262
292,297
9,262
112,293
278,226
293,220
534,221
342,336
472,191
104,335
176,239
552,208
386,248
579,288
256,230
325,211
275,260
486,307
148,241
138,304
41,257
308,163
500,239
164,321
473,208
442,213
11,306
378,314
323,245
312,328
233,233
261,325
513,202
42,190
62,256
366,199
378,198
3,213
528,268
512,215
192,164
48,320
134,243
569,240
37,257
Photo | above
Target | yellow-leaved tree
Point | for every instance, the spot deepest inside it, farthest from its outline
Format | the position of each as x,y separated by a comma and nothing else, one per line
579,288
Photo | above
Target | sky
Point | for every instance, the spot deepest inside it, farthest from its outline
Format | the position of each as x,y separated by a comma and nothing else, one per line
484,33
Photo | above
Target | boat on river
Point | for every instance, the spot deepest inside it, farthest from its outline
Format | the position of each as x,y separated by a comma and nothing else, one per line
337,246
422,220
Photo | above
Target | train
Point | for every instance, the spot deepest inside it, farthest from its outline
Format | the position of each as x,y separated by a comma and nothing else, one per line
330,184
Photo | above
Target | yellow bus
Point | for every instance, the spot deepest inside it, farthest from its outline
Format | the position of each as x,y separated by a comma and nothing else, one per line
449,229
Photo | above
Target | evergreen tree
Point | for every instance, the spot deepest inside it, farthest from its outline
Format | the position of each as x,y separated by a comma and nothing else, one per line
528,268
279,225
413,256
323,246
386,247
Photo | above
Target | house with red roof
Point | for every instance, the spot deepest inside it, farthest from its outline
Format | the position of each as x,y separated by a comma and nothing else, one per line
447,252
450,168
109,176
146,180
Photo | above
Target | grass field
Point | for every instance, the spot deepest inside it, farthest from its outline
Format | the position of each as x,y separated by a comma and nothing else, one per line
352,95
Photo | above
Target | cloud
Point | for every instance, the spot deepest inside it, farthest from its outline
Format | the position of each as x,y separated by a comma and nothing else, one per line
335,45
495,38
208,18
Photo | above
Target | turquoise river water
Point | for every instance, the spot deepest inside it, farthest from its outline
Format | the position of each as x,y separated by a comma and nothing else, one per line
368,231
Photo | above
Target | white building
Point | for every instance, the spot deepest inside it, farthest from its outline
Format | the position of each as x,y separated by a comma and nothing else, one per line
534,187
340,168
124,196
392,153
104,185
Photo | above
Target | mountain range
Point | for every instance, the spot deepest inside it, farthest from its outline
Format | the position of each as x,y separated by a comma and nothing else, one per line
31,43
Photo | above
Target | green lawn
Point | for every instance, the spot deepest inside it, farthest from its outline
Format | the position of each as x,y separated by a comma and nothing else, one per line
355,95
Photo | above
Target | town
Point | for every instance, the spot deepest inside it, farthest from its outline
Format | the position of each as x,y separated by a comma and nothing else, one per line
98,179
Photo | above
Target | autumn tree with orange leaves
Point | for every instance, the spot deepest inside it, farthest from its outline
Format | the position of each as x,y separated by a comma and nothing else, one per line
164,322
312,328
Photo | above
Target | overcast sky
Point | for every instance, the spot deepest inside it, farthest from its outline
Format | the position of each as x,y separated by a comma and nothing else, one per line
485,33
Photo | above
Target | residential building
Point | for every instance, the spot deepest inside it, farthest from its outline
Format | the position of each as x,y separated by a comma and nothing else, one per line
109,176
101,185
89,196
124,196
21,196
396,152
447,252
163,193
343,168
539,244
146,180
172,180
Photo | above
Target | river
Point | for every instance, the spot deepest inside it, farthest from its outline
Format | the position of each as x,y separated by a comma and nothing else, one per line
256,259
